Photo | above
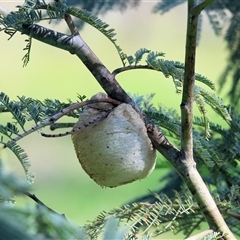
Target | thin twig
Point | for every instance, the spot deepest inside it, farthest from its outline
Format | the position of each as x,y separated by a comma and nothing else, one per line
55,126
182,161
127,68
39,202
104,114
34,198
232,214
65,111
71,24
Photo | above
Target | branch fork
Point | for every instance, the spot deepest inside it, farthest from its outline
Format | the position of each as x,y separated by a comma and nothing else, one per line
182,160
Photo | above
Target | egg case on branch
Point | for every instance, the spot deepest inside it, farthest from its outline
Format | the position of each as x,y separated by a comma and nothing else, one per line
115,150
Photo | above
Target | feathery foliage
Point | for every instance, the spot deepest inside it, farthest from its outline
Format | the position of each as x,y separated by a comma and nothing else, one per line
224,20
215,102
153,60
31,11
23,111
21,155
168,68
216,150
164,215
165,5
213,154
99,25
13,108
218,14
180,214
26,57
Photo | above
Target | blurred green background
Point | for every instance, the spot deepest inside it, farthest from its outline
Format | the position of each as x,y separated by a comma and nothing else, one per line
52,73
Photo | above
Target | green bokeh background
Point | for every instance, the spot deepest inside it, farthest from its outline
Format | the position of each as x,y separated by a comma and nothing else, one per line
53,73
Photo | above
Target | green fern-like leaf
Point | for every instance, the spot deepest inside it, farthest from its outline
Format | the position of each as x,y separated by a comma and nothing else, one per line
218,129
20,154
29,7
113,231
26,57
139,54
12,129
4,27
152,56
215,21
16,19
99,25
205,80
4,131
9,129
123,56
215,102
174,69
130,59
32,9
202,109
144,102
167,119
62,7
201,149
163,66
55,10
168,68
13,108
33,109
157,218
55,106
163,121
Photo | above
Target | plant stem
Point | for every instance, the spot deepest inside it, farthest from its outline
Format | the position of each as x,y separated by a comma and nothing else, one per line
182,160
188,84
57,116
188,169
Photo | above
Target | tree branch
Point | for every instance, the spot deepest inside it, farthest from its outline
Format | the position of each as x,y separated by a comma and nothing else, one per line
55,126
57,116
71,24
39,202
188,168
127,68
232,214
188,84
76,45
182,160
